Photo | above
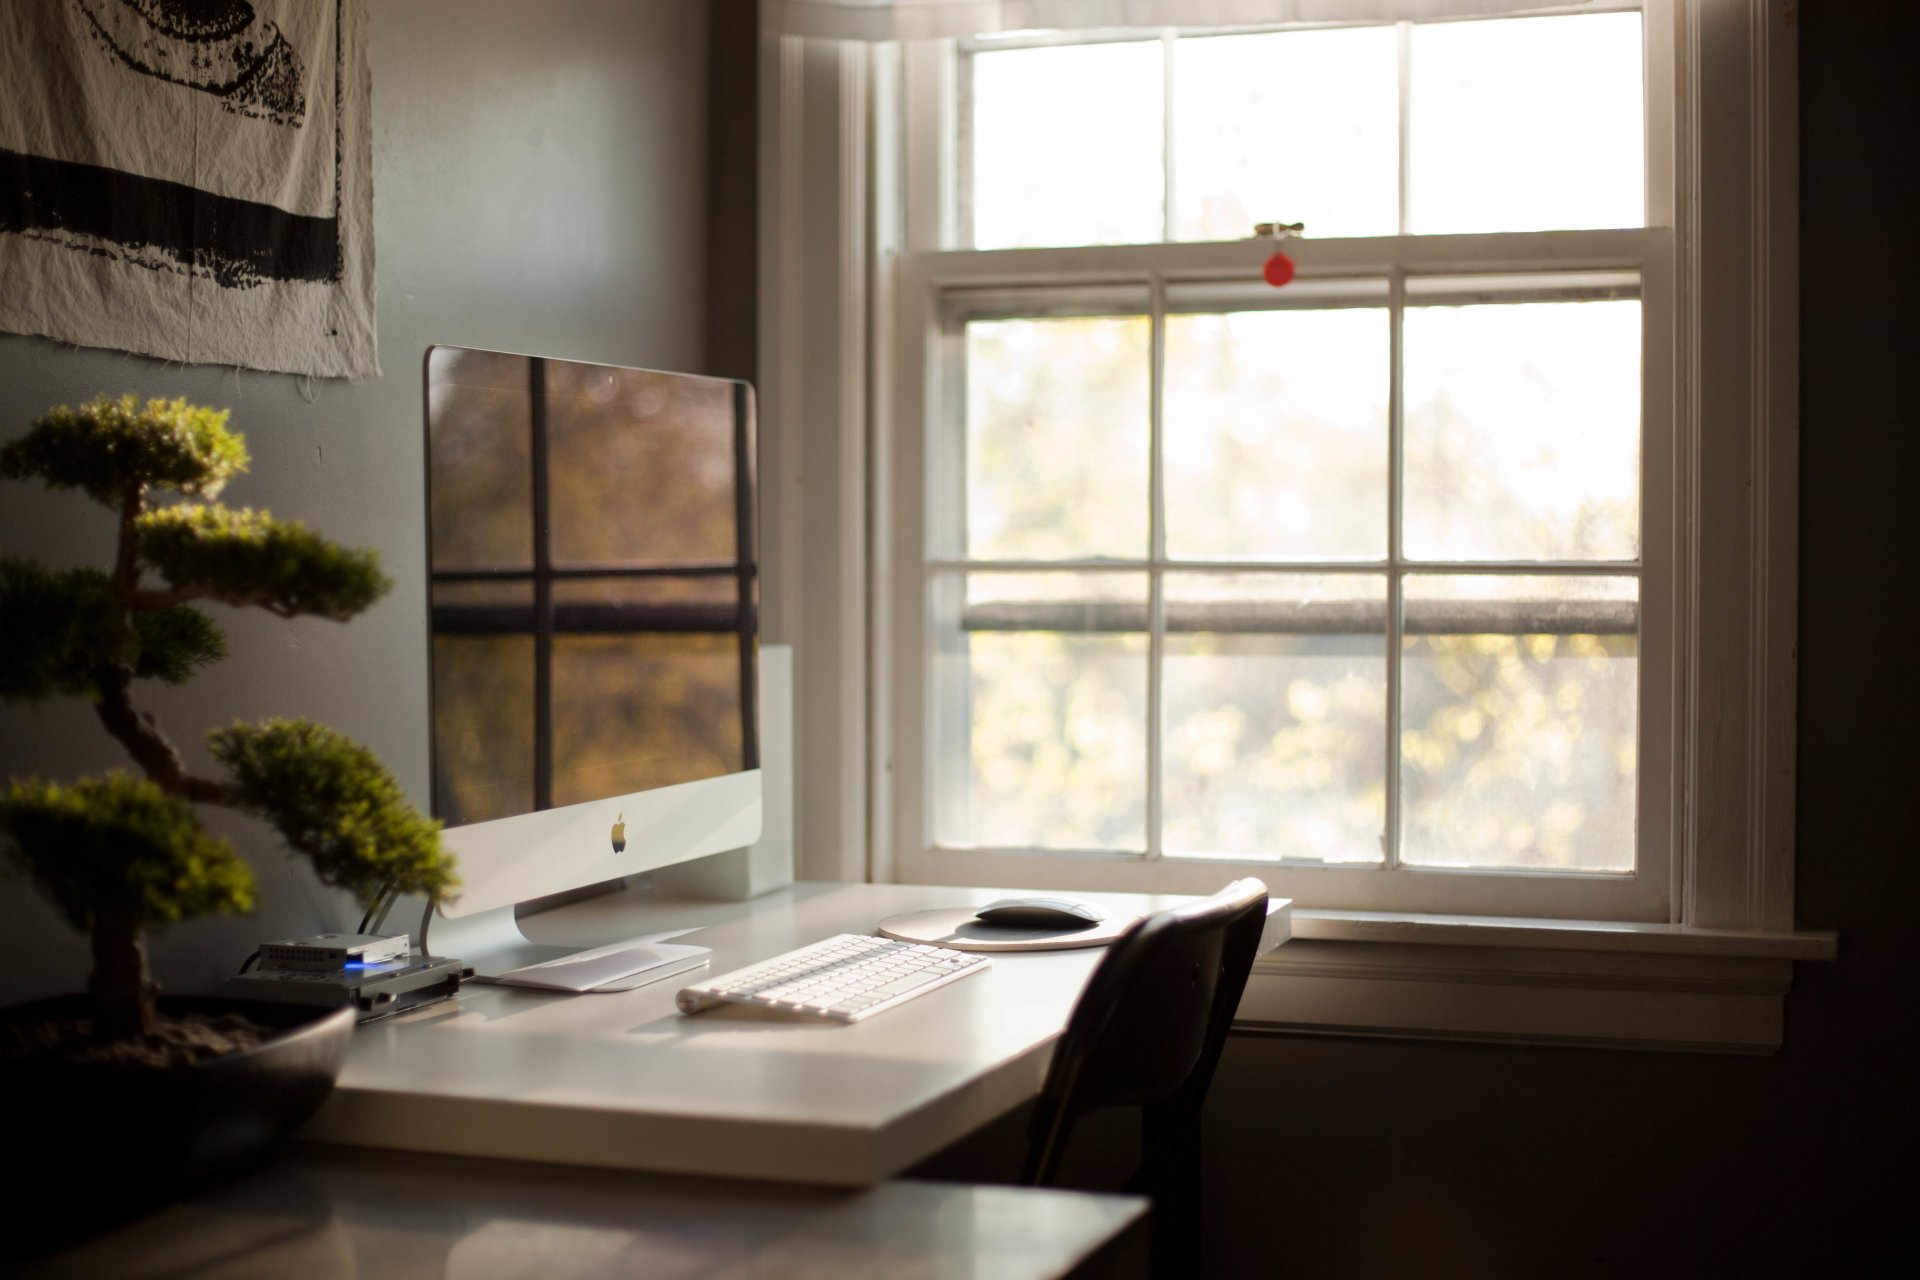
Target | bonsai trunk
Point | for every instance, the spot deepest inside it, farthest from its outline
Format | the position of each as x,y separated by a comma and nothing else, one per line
123,995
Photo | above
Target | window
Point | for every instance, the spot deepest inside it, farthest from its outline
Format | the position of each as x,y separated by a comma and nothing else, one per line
1363,583
877,278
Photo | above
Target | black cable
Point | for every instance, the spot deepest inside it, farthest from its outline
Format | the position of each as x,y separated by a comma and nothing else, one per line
249,962
426,914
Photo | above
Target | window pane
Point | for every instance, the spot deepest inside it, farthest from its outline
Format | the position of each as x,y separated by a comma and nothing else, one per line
482,722
480,459
1526,124
632,712
1289,126
1276,434
1067,145
1274,710
1040,711
1523,431
1518,747
640,466
1057,434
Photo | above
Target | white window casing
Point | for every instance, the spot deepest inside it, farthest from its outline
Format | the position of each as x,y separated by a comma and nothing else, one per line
1695,950
815,482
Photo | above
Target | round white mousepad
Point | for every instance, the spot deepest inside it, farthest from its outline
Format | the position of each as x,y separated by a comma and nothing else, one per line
958,928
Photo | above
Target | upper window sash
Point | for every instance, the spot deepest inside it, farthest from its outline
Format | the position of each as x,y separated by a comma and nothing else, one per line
938,117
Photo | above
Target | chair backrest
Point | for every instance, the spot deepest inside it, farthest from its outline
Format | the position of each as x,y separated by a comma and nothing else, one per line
1149,1028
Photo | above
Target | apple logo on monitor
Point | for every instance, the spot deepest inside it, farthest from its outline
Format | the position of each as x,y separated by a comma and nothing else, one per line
620,834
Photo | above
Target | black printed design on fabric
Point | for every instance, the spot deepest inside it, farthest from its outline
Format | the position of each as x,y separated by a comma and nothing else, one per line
239,243
221,47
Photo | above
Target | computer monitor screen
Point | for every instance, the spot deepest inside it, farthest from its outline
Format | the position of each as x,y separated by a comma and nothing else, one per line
593,601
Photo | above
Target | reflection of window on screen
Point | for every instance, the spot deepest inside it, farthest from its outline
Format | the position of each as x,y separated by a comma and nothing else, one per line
1348,574
590,604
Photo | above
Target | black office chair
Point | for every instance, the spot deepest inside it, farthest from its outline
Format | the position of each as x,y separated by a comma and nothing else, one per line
1148,1033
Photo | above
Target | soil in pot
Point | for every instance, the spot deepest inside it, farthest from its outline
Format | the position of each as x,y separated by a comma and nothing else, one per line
175,1041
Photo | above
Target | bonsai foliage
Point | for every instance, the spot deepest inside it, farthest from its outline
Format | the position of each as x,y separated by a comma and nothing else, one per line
117,449
119,855
333,802
246,557
59,626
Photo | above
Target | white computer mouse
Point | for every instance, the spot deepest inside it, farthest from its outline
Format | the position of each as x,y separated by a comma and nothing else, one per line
1041,913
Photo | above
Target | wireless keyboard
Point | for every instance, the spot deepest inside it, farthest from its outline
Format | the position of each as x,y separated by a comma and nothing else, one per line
845,978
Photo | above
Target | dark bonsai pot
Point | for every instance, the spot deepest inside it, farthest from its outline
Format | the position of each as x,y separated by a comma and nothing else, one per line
99,1143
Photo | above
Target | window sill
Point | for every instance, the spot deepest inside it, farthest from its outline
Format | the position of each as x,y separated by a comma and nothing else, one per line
1560,935
1556,982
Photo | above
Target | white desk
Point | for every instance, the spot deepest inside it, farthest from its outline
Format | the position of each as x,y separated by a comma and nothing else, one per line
625,1081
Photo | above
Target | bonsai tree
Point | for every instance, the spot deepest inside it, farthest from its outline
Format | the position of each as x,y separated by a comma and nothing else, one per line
119,854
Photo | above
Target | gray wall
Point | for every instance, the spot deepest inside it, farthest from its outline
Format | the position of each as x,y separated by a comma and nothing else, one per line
539,185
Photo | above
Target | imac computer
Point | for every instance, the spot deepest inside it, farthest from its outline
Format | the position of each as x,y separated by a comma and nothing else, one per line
595,659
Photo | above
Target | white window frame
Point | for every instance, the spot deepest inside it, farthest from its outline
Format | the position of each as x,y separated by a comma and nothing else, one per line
839,195
928,278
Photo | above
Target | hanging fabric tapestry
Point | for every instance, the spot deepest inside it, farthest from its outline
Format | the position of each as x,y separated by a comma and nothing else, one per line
190,179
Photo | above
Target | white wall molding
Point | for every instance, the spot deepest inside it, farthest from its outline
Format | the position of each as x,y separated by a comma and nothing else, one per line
813,415
1738,269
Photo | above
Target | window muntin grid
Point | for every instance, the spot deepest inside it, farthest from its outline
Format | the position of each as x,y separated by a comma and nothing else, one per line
1164,621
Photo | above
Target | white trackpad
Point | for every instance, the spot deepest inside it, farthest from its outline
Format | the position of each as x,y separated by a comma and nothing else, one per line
620,967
